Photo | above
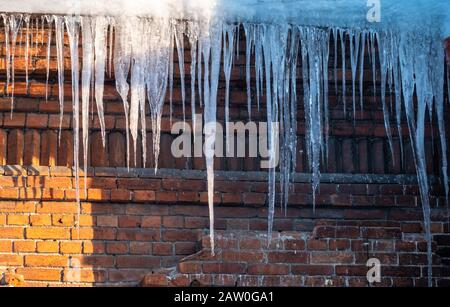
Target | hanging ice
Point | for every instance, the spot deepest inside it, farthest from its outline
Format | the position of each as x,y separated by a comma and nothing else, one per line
409,61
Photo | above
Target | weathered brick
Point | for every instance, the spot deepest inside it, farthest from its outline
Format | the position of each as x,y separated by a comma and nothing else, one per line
41,274
46,260
47,233
268,269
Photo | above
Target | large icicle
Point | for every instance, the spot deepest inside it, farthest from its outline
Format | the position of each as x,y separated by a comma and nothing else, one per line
86,75
59,29
193,32
49,20
229,32
249,36
100,30
72,24
15,23
122,63
179,40
211,47
158,57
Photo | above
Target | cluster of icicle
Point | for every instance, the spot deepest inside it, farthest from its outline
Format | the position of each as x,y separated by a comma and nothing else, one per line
411,66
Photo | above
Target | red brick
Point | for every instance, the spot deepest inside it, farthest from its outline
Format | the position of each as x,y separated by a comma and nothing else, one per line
11,260
173,221
224,268
332,257
5,246
312,270
151,221
116,248
17,120
47,246
188,267
93,247
137,262
143,195
120,195
71,247
47,233
24,246
15,219
37,120
141,248
288,257
254,198
129,221
268,269
57,207
154,280
107,220
162,249
166,196
11,232
63,220
132,183
180,235
46,260
96,233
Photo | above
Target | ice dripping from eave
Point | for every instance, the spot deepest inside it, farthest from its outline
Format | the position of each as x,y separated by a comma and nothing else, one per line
410,65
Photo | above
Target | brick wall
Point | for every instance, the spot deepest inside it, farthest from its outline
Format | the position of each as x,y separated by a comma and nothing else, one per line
135,223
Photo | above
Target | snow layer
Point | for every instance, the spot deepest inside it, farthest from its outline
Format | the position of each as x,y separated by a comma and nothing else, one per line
338,13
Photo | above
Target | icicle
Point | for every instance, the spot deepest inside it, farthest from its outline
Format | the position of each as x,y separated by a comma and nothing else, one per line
60,59
193,32
36,38
100,29
137,79
43,19
361,70
314,45
249,35
8,51
354,55
384,49
86,75
258,63
325,49
26,18
110,44
171,47
229,32
437,75
344,74
335,43
179,40
15,23
72,25
374,56
412,67
49,20
122,62
160,48
199,72
211,50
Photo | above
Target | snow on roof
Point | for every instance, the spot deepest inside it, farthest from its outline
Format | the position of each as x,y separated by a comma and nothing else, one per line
340,13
